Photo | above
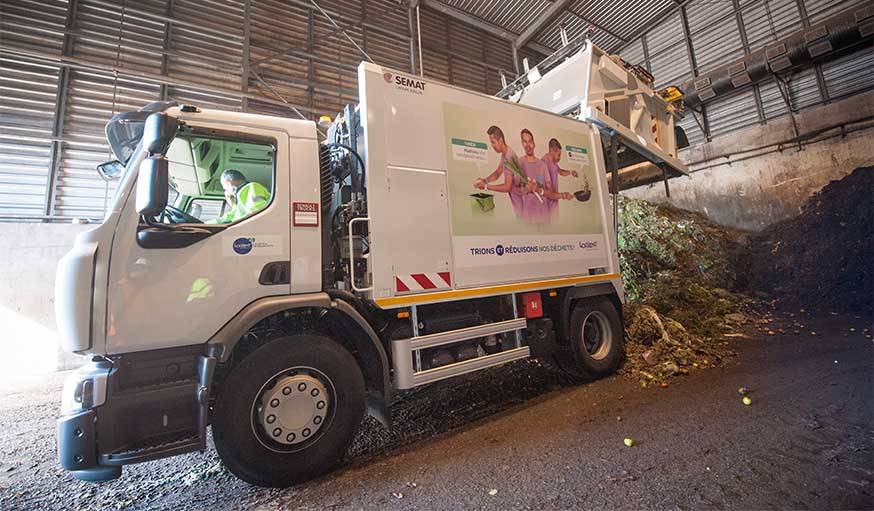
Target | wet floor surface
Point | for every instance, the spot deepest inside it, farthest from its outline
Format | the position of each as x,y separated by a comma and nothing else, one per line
519,437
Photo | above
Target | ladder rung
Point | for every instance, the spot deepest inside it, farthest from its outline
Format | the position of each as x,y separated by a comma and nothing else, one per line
462,334
468,366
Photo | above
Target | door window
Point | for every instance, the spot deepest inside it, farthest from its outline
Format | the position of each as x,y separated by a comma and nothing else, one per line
228,179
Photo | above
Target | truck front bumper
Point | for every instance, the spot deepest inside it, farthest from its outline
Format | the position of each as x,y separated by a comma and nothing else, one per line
83,396
77,448
138,407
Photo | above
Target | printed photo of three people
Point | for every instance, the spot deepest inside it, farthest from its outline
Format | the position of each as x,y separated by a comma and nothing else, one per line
512,177
531,181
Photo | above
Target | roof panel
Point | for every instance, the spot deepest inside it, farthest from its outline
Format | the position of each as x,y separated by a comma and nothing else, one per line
621,19
614,22
512,15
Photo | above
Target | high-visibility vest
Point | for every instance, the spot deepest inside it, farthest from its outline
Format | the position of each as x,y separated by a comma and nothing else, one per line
251,198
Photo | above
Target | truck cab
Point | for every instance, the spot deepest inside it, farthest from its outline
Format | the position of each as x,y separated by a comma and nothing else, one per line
276,282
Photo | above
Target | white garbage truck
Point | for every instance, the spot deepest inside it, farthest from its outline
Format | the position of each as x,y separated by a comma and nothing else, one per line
277,283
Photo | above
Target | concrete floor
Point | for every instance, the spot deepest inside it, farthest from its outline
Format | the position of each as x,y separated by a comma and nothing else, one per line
518,438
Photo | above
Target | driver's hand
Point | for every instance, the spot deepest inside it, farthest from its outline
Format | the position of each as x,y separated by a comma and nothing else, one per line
231,199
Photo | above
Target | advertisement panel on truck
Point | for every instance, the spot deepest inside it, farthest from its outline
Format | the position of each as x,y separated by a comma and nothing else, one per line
476,191
520,193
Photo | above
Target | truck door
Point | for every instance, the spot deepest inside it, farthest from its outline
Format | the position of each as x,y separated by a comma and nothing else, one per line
173,288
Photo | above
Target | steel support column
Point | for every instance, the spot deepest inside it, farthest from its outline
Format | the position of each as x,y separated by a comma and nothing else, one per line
817,68
410,12
757,94
692,61
247,32
57,147
311,66
645,47
660,17
165,46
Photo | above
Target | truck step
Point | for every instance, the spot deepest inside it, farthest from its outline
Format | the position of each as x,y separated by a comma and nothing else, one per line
463,334
468,366
404,350
156,448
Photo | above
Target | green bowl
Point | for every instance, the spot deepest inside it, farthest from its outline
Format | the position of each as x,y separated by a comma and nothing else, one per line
483,202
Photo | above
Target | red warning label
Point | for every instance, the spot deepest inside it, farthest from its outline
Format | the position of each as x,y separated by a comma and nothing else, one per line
305,214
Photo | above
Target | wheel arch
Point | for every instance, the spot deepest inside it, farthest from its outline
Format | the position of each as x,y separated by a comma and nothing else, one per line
573,294
342,322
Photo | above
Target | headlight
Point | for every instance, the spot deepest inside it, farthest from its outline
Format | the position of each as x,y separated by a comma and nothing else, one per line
86,388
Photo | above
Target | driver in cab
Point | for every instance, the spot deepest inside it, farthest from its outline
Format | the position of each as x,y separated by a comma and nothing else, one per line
243,198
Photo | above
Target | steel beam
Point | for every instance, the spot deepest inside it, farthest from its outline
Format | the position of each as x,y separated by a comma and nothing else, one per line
485,26
534,28
599,27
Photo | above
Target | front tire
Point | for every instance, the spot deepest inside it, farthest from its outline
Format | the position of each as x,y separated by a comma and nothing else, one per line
288,412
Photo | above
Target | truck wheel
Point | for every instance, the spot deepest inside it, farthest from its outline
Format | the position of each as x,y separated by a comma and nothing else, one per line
596,340
288,411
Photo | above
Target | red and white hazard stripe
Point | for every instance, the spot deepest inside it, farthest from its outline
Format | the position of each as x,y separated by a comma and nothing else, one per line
423,282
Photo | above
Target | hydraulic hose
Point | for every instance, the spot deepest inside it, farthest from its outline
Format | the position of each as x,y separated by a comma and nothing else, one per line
357,182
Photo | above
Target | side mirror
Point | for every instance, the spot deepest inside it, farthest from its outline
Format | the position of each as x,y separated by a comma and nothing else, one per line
153,185
110,170
158,132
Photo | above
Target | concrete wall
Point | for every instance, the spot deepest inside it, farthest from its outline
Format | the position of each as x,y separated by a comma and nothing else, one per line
29,254
736,181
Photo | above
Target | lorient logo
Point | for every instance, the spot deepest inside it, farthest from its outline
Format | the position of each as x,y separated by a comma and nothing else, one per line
243,246
387,77
499,250
588,245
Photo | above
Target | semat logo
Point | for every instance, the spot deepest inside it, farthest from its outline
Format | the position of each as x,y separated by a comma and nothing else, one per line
404,83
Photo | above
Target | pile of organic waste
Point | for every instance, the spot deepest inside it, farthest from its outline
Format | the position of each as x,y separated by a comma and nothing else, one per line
680,274
822,259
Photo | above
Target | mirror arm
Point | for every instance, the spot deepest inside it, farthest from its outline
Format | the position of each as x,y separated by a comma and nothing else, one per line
150,221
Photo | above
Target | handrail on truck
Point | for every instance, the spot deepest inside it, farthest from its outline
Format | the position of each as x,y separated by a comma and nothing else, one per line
352,255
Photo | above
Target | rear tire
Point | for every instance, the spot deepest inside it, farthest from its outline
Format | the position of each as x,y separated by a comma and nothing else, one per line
596,346
289,411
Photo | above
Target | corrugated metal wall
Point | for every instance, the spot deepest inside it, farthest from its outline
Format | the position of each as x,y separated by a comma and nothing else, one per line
704,34
66,66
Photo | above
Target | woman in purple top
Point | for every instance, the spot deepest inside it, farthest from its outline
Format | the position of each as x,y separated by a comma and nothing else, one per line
534,206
